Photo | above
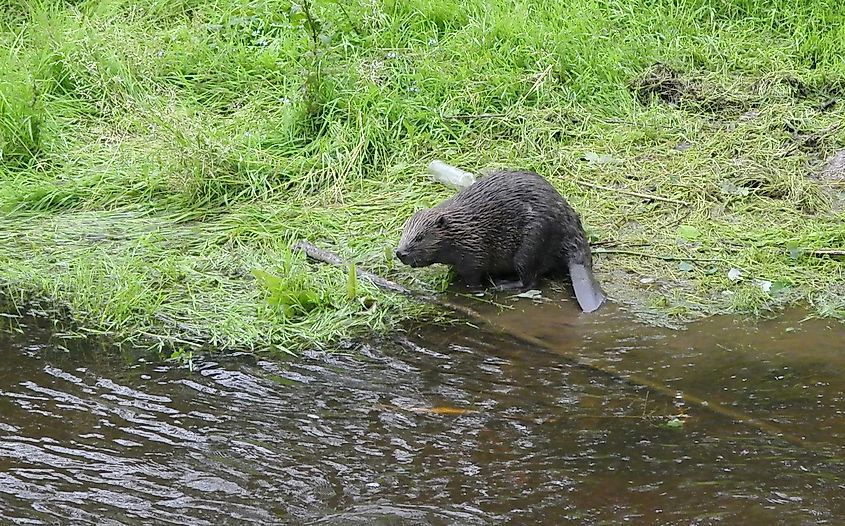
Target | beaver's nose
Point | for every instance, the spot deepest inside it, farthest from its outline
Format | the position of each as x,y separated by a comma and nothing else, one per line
400,253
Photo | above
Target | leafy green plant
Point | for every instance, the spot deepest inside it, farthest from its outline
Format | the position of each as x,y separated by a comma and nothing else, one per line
20,117
291,293
351,283
689,233
290,297
183,356
302,15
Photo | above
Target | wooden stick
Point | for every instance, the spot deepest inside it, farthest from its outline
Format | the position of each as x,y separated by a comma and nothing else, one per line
536,84
471,116
629,192
827,252
324,256
810,138
655,256
766,427
615,242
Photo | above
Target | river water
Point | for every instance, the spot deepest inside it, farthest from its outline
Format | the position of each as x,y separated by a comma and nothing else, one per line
437,426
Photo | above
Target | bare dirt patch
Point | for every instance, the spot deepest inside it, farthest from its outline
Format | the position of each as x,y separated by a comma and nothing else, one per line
664,83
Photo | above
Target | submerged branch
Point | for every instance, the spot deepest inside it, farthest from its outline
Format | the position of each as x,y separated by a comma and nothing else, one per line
771,429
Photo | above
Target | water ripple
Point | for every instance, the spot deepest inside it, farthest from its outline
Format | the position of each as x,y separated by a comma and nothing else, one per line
444,428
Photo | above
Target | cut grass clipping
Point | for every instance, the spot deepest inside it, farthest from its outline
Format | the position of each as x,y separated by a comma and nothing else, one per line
159,157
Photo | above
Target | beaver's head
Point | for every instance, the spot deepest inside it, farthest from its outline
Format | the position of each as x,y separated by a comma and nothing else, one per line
424,237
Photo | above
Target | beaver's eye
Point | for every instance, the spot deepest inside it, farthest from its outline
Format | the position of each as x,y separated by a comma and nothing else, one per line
418,237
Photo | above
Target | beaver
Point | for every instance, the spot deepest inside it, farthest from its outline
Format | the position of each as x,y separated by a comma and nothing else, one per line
509,224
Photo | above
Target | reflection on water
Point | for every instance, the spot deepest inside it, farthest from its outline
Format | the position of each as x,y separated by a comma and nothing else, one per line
89,437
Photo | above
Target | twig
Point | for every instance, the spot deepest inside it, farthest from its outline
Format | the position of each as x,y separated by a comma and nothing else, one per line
613,120
167,320
826,105
473,297
575,120
312,25
679,220
654,256
532,341
629,192
826,252
616,243
172,339
811,138
471,116
534,86
349,19
315,40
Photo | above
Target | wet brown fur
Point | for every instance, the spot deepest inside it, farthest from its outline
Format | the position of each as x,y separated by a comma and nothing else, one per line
508,224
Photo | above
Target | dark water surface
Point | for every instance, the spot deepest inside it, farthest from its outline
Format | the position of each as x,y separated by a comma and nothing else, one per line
449,427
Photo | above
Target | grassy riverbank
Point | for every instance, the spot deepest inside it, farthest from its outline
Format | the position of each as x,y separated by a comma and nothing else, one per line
158,154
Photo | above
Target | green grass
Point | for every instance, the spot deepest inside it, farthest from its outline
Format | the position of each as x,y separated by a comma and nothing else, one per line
155,154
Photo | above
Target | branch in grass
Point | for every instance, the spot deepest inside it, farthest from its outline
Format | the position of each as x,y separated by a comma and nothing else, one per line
826,252
629,192
324,256
655,256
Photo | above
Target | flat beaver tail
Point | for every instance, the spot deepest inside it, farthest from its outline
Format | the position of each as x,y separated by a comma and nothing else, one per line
579,262
587,290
